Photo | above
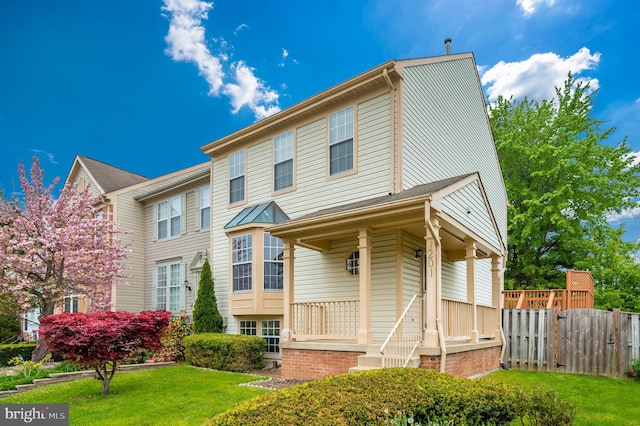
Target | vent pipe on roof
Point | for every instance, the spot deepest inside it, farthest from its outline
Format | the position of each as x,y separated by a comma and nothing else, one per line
447,43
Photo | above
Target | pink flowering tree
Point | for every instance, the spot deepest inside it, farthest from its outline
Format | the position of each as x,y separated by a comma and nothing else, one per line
51,248
101,340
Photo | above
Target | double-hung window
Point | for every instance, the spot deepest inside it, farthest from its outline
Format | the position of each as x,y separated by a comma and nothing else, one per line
341,141
273,263
241,264
205,207
236,177
169,218
168,287
270,331
283,161
71,304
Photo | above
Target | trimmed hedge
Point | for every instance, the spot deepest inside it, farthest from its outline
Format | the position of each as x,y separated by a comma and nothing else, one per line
382,397
227,352
13,350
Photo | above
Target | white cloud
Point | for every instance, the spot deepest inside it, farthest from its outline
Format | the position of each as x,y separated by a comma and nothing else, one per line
50,156
251,91
285,54
538,76
239,28
625,215
186,43
529,6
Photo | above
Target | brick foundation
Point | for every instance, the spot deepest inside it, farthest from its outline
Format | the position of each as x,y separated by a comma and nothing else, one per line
313,364
465,364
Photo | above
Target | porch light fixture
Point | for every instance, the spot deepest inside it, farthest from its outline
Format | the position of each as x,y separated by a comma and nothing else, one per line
418,254
186,285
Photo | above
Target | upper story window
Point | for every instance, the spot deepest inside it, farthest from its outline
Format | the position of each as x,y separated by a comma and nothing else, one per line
273,263
169,217
341,141
236,177
241,262
283,161
168,288
204,207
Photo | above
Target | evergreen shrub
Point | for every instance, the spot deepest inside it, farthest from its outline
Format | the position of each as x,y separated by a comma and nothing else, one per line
227,352
382,397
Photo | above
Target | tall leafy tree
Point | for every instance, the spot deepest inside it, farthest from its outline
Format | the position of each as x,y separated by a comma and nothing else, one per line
563,177
206,317
50,248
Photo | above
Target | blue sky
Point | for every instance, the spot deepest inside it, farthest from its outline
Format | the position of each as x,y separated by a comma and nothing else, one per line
142,85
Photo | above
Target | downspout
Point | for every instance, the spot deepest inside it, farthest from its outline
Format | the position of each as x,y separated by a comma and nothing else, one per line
441,342
394,172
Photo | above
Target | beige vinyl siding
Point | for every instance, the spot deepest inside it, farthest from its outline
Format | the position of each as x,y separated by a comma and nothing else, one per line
129,214
383,284
483,282
454,279
446,132
314,191
182,249
83,176
469,199
411,268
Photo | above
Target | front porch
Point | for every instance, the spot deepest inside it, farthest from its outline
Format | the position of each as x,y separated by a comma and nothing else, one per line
426,286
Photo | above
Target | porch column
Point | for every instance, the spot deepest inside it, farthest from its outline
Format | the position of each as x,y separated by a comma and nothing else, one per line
287,326
364,246
496,289
471,256
432,298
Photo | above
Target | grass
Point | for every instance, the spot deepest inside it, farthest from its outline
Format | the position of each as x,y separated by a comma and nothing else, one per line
600,400
180,395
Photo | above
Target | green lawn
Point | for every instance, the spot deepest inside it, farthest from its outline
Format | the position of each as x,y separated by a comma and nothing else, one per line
180,395
600,400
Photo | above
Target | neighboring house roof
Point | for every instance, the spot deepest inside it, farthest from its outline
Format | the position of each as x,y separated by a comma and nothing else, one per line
107,177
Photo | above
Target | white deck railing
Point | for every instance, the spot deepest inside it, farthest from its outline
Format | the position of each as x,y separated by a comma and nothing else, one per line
325,319
405,336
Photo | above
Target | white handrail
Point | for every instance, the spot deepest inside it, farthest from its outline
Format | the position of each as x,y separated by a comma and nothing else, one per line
404,338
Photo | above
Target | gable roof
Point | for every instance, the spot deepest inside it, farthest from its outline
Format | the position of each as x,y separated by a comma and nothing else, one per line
107,177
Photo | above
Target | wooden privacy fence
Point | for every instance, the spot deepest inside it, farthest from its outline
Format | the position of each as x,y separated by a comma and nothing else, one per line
583,341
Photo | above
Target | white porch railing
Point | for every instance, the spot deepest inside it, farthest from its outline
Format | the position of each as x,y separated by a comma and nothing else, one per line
405,336
325,319
456,319
487,321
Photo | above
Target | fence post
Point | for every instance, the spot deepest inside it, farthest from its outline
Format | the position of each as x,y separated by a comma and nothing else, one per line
553,340
616,370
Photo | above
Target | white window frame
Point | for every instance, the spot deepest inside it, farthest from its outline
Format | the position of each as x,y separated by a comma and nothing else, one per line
352,263
283,164
169,217
71,301
203,207
341,137
248,327
242,263
273,249
168,286
270,331
237,167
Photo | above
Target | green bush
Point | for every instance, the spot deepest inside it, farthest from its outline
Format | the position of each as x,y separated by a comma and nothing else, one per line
237,353
7,352
173,341
543,407
9,327
633,372
379,397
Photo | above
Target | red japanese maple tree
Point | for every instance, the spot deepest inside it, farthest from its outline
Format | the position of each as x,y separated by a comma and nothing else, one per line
102,340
